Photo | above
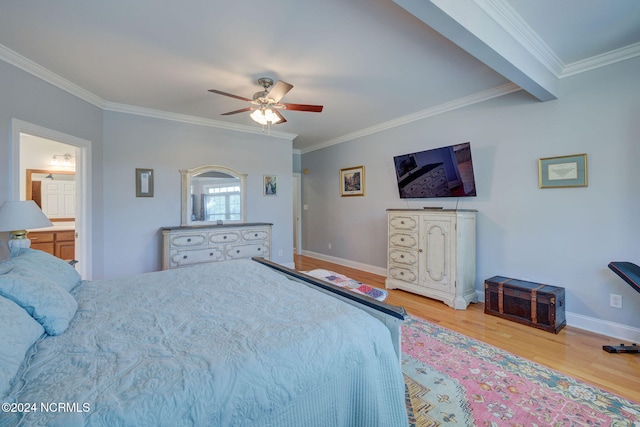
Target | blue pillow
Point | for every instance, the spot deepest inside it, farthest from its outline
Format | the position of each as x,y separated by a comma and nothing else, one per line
49,304
49,266
18,332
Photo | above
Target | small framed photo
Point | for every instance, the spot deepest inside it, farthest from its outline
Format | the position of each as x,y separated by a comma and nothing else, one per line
270,185
563,171
352,181
144,182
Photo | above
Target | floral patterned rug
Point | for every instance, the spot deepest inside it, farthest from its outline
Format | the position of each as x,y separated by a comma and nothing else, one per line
453,379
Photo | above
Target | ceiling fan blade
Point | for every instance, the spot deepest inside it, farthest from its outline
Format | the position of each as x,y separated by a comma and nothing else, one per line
279,90
219,92
242,110
304,107
282,119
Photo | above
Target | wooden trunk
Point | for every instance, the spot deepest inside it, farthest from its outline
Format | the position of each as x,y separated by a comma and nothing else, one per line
529,303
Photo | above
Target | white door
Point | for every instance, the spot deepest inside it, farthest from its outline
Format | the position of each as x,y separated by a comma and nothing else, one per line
59,198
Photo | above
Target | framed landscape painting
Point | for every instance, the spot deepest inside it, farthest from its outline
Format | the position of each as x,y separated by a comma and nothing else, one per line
352,181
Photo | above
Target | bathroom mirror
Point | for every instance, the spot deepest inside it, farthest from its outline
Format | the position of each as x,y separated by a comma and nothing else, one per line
213,194
53,191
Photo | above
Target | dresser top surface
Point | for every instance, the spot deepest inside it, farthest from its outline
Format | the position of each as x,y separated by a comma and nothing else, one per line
216,226
430,210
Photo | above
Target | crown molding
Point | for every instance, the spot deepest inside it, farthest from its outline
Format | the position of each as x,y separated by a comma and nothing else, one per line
9,56
502,12
429,112
598,61
27,65
157,114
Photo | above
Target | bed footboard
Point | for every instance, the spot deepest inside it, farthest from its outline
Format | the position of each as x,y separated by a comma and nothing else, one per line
390,315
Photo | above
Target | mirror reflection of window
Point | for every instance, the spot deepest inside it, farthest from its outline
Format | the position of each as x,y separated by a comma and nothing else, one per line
215,197
222,202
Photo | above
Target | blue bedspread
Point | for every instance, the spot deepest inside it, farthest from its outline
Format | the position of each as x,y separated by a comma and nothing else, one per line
220,344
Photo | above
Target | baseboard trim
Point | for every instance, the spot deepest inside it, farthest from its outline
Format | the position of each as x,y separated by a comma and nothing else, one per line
604,327
591,324
347,263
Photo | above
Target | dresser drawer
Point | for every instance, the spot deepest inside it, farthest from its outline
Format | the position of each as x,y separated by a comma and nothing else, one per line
247,251
226,237
41,237
65,236
186,240
404,222
405,274
403,240
255,235
403,257
196,256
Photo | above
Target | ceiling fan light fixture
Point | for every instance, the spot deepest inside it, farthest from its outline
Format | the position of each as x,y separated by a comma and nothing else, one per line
265,116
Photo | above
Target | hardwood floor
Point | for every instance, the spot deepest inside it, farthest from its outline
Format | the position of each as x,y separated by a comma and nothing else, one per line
574,352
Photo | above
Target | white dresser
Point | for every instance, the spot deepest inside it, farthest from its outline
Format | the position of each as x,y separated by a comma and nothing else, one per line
188,245
432,252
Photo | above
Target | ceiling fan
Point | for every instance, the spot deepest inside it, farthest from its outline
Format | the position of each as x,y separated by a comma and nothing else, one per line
266,103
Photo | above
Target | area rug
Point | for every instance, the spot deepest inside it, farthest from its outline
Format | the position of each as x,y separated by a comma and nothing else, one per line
348,283
452,379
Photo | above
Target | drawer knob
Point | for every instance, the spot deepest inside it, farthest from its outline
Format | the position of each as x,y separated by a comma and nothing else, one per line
189,239
259,249
255,235
401,222
224,237
238,251
402,273
210,253
184,257
402,239
401,256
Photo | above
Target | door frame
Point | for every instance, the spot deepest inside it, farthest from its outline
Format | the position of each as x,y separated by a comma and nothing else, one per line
83,221
297,212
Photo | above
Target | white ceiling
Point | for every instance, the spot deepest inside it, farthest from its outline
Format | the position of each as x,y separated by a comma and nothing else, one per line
372,63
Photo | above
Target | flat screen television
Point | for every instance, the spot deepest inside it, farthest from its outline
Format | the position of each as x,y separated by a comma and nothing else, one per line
439,172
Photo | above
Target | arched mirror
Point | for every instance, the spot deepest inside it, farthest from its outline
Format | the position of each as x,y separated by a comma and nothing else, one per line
213,194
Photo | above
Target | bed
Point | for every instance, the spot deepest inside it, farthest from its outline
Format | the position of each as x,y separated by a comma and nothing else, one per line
235,343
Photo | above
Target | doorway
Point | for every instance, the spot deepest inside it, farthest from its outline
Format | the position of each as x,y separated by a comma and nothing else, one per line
77,148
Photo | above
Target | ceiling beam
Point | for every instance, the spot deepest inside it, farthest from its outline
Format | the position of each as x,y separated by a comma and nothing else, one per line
468,25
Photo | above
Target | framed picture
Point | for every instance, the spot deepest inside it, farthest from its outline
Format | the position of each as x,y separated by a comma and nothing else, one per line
352,181
144,182
270,185
563,171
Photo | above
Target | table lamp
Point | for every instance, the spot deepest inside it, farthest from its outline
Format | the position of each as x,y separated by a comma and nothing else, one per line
17,216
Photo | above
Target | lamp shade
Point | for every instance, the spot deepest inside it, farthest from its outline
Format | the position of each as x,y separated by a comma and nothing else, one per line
21,215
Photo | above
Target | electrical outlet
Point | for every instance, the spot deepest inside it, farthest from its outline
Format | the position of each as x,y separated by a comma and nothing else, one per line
615,301
329,246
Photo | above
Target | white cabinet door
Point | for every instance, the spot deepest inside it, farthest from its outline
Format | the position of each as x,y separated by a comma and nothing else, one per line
435,270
